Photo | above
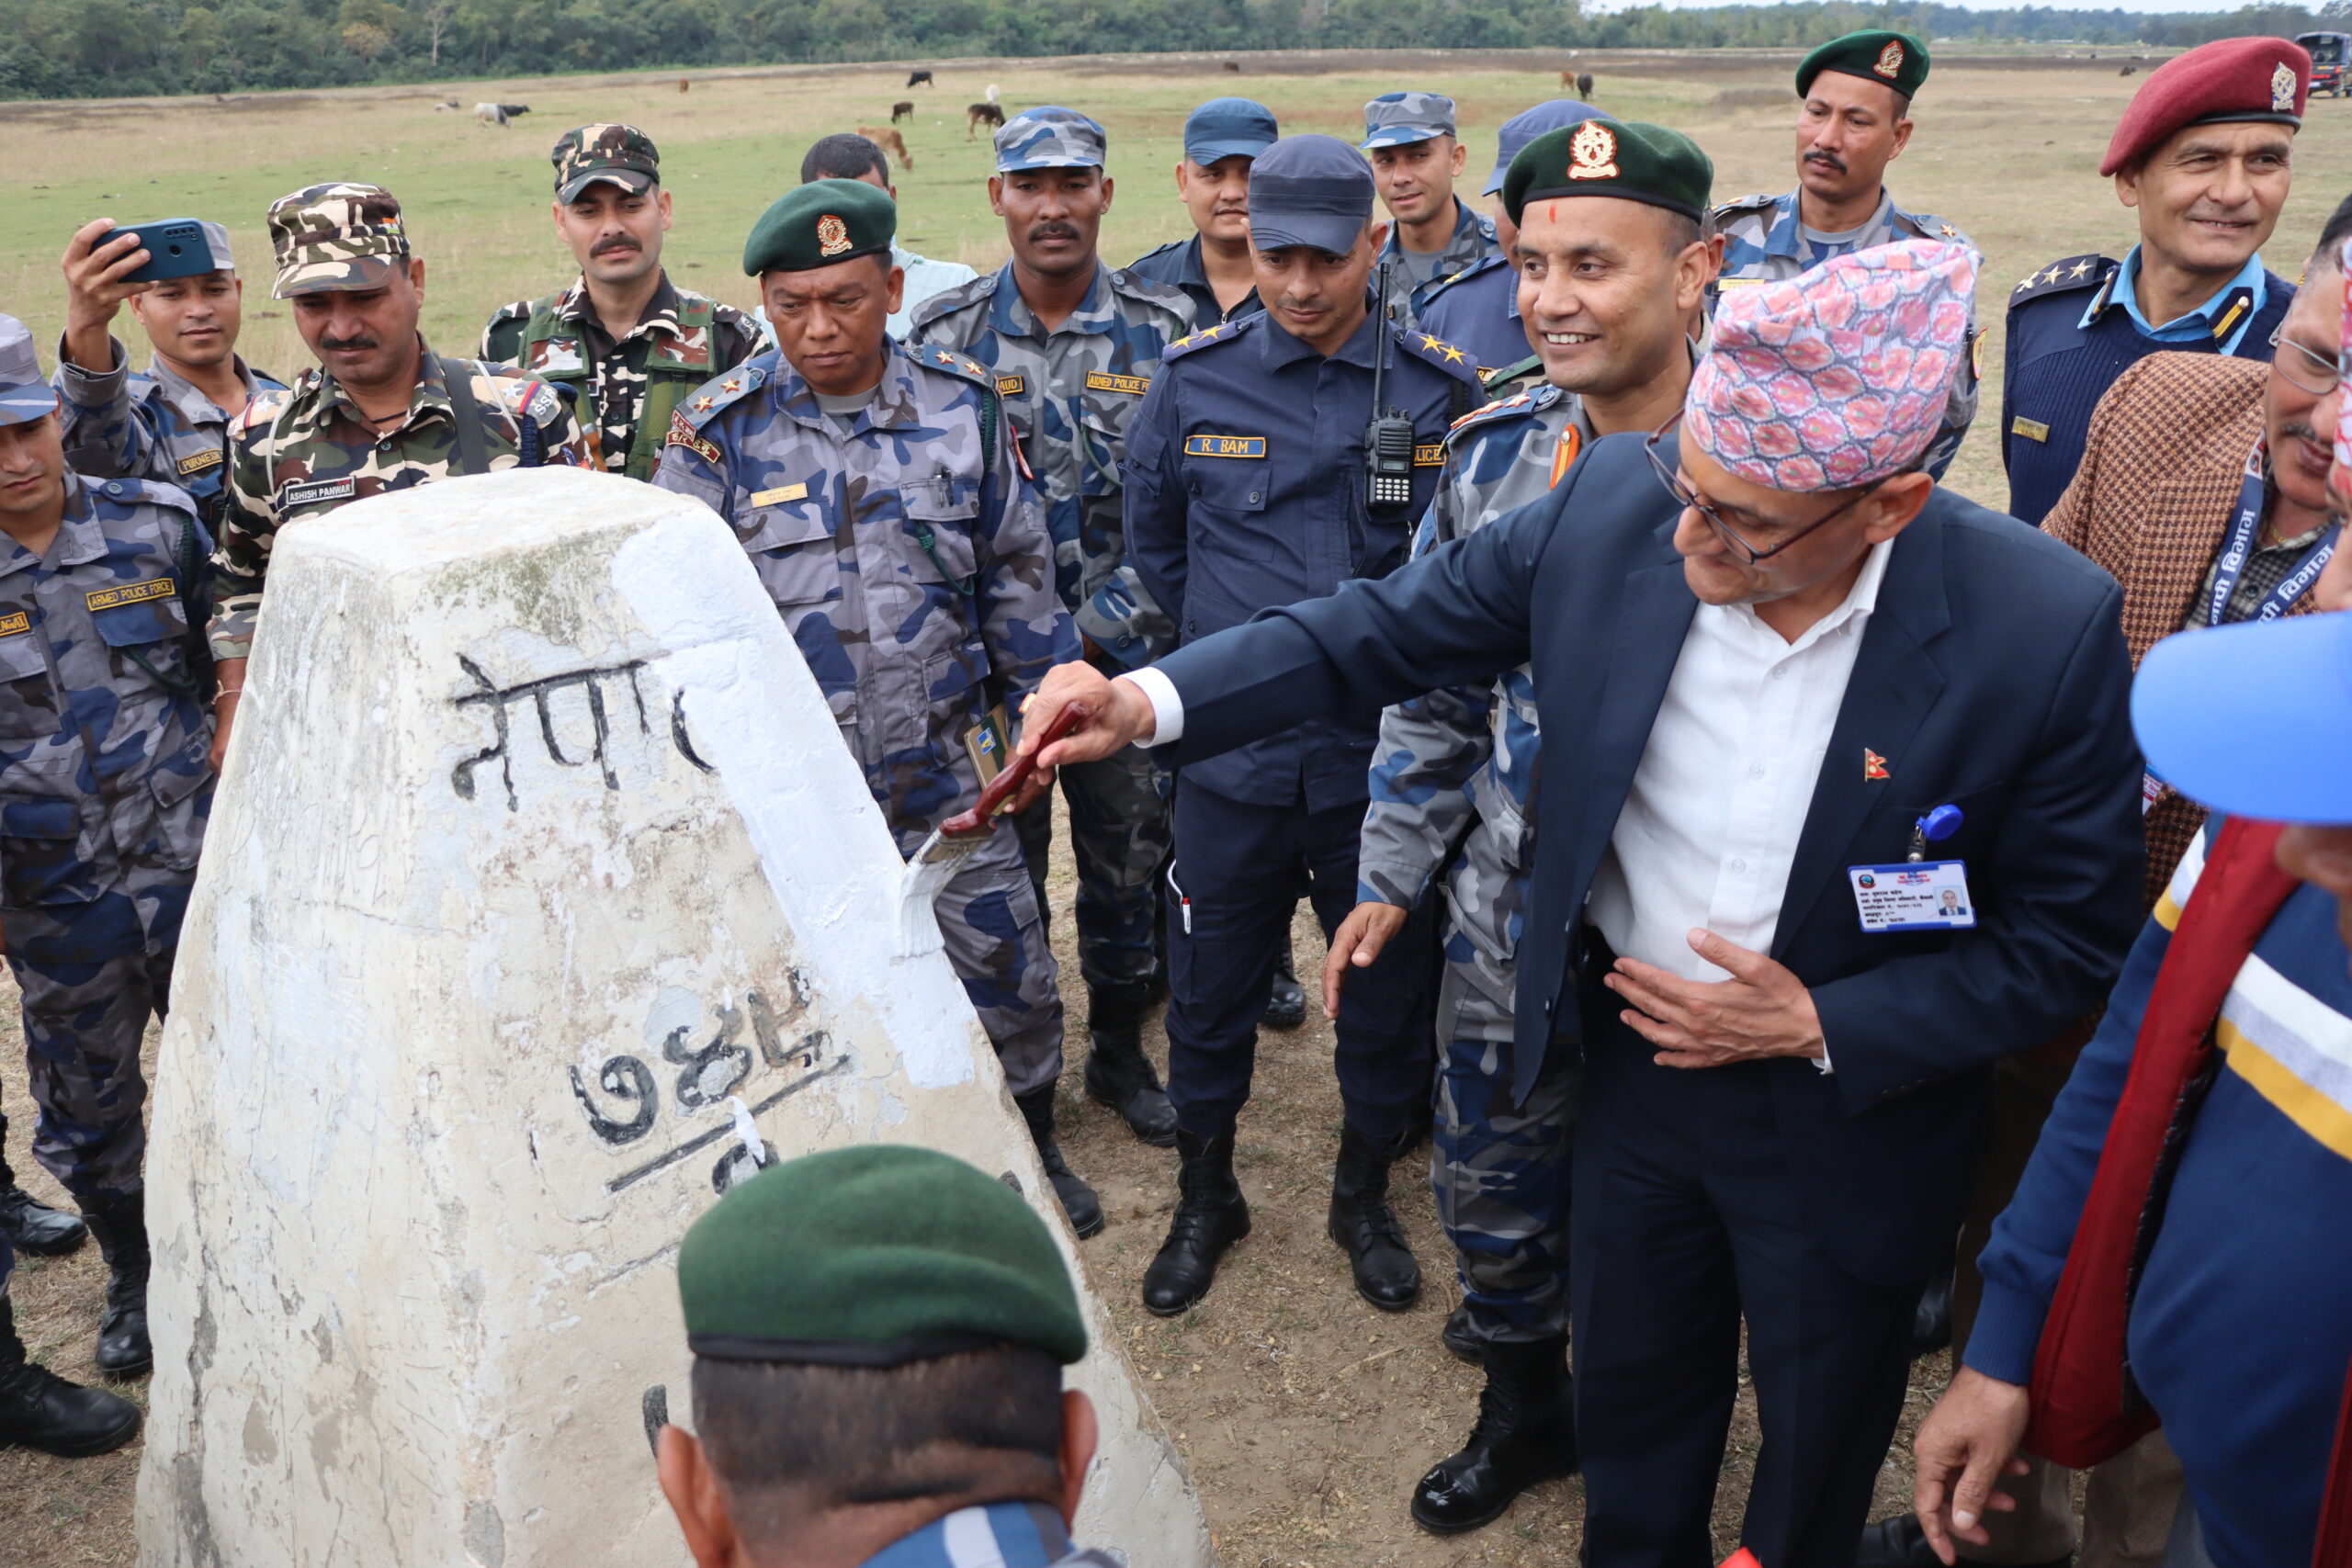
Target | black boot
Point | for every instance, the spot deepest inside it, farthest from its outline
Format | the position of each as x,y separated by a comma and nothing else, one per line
1211,1215
1085,1211
1457,1336
1526,1433
1286,1005
1931,1323
120,1224
31,1225
1364,1225
1117,1072
40,1410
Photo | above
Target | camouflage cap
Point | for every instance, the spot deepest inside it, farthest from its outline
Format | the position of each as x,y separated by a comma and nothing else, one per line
1399,119
620,153
1049,138
24,396
335,236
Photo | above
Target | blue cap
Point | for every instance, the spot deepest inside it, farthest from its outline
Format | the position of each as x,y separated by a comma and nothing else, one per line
1049,138
2254,719
1394,119
1222,127
1309,190
24,396
1526,125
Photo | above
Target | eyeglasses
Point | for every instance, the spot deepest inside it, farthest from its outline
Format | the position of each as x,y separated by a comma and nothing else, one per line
2323,371
1688,498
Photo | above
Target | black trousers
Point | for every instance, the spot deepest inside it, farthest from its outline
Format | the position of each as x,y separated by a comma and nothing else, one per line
1231,891
1687,1219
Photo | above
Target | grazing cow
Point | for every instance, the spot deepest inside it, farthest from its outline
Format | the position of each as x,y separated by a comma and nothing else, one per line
515,111
979,115
990,94
890,141
2126,70
919,79
1234,66
1584,84
684,84
904,110
491,114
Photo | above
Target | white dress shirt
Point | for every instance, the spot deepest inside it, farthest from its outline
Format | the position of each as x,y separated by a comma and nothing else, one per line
1710,829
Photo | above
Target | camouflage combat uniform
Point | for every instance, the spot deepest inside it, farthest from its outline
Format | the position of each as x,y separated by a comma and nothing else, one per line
913,564
104,792
1473,238
1764,240
634,382
120,424
1453,779
1071,393
305,451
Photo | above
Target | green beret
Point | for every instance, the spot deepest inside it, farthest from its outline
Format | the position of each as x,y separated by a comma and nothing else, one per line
1891,60
873,1256
1608,157
819,223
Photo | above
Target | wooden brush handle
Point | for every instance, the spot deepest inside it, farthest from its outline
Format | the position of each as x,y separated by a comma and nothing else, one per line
1000,789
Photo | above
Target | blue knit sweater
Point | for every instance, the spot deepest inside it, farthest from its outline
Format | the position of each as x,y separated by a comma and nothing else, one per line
2240,1330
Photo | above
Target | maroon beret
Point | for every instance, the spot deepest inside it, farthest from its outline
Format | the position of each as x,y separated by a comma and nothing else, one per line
2233,79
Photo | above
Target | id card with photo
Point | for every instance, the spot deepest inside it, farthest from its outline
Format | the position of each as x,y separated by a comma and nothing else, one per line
1913,895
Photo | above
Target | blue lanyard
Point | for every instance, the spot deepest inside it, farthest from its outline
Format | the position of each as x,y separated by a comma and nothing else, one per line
2239,548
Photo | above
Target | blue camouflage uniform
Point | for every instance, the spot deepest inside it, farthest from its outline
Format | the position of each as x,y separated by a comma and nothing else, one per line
1398,119
2074,326
1766,241
104,792
911,563
1473,240
121,424
1070,392
1453,780
992,1535
1246,490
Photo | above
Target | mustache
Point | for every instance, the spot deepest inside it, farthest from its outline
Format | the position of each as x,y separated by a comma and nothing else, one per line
1828,160
2298,429
1057,230
344,344
614,247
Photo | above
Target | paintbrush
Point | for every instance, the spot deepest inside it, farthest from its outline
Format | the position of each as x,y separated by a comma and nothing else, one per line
934,864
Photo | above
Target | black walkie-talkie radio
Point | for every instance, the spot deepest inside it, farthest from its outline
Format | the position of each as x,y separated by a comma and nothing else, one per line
1388,439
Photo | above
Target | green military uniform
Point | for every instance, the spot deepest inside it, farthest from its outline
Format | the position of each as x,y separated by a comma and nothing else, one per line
636,380
307,450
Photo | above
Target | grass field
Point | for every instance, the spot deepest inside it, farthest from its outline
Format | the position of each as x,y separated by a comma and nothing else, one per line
1305,1416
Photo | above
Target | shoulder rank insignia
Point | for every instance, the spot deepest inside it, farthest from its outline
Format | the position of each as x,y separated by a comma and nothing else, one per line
931,356
1223,331
714,397
2063,277
683,433
1439,352
1500,409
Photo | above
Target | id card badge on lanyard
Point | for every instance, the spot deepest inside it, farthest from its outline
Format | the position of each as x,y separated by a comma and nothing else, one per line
1916,894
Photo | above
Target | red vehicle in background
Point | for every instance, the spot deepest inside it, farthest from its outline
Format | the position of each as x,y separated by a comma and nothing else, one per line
2331,54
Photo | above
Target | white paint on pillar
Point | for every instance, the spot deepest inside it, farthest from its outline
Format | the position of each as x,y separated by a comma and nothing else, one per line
536,848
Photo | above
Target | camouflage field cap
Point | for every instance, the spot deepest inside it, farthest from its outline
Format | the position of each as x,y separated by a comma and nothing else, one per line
336,236
620,153
24,395
1049,138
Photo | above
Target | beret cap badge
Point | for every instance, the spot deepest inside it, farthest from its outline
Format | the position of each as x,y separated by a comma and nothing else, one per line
2282,88
1890,60
833,235
1594,149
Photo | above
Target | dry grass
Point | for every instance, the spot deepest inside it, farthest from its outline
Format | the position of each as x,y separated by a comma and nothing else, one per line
1305,1415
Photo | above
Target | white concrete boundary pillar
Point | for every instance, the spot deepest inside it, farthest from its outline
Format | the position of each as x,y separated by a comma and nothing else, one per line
538,851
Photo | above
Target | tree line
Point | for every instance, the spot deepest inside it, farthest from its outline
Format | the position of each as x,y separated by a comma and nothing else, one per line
63,49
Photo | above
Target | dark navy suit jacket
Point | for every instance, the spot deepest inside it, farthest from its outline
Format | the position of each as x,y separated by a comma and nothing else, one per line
1992,676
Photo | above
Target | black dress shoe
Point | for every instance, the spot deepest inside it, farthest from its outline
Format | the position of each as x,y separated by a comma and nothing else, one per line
1457,1337
1366,1226
120,1224
1211,1215
1286,1005
40,1410
1899,1542
1931,1323
1079,1204
1117,1072
1526,1433
32,1226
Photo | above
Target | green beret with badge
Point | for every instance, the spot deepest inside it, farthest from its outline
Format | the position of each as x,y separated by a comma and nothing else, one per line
1891,60
818,224
873,1256
1625,159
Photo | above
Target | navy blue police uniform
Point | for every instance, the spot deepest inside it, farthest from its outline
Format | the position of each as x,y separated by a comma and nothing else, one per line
1220,129
1477,310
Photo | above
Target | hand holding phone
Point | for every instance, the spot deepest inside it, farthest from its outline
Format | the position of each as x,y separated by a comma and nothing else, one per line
98,262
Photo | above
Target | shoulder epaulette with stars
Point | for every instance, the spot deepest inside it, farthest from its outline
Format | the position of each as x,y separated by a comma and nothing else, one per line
2063,277
1518,405
707,402
931,356
1438,352
947,301
1223,331
1931,227
1484,264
